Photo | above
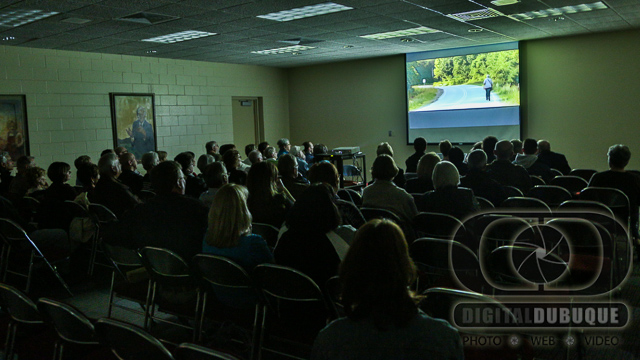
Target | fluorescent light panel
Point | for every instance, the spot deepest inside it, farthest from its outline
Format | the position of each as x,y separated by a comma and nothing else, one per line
20,17
305,12
399,33
485,13
560,11
283,50
179,37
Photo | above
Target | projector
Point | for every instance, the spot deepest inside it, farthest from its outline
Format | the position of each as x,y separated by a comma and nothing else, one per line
347,150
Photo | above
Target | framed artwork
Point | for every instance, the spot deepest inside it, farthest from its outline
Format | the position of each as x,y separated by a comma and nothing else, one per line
134,122
14,137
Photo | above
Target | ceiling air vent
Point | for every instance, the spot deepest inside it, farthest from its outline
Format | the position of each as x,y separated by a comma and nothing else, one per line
476,15
148,18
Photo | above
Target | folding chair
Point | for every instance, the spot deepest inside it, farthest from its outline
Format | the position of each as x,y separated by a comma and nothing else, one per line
551,195
525,203
186,351
574,184
268,232
130,342
104,217
21,311
586,174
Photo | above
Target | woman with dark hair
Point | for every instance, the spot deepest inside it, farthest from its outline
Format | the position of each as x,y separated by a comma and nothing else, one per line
269,201
383,320
384,194
50,214
36,181
309,242
423,183
456,157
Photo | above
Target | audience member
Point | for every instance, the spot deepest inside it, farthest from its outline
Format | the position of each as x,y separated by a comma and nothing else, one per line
456,157
255,156
517,148
162,156
211,147
107,151
488,145
420,146
284,146
384,194
19,186
109,191
168,220
51,214
231,160
423,182
6,166
226,147
504,171
130,175
78,162
618,178
195,185
120,150
303,166
203,161
552,159
89,175
215,175
445,146
383,321
263,146
229,235
247,150
319,149
448,198
291,179
149,160
530,161
270,155
385,148
308,151
36,180
478,180
309,242
269,201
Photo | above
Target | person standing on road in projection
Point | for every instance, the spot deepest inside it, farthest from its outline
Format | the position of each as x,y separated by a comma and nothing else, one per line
487,85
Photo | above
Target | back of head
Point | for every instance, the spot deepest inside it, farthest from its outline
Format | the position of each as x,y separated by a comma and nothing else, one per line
58,172
255,156
287,165
226,147
384,168
324,172
445,146
375,275
33,175
420,144
489,144
456,155
165,177
261,181
477,159
320,149
88,174
149,160
314,211
544,146
185,160
530,146
517,145
503,150
296,151
107,151
426,164
162,155
215,175
80,160
263,146
619,156
107,163
229,216
126,160
384,148
120,150
204,160
445,174
24,162
249,148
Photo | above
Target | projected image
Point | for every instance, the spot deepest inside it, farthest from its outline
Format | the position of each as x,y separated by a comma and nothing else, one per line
464,82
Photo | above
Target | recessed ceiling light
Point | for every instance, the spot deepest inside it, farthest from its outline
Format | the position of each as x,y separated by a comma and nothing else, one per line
8,38
305,12
20,17
485,13
560,11
283,50
475,30
399,33
179,36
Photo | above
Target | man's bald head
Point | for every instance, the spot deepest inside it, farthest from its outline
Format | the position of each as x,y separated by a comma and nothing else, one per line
503,150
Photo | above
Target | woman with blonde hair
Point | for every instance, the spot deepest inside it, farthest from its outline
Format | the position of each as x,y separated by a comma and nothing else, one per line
229,229
385,149
383,320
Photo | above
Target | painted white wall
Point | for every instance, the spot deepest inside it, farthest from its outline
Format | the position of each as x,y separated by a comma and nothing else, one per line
68,99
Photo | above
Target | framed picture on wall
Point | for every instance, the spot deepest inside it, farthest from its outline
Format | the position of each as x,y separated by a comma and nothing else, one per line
14,135
134,122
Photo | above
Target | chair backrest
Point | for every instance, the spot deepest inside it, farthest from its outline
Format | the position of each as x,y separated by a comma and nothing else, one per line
14,234
537,180
551,195
485,204
446,255
525,203
19,306
495,230
350,195
615,199
145,195
268,232
69,322
512,191
220,271
74,209
556,172
130,342
583,173
186,351
436,225
574,184
102,213
165,266
517,268
376,213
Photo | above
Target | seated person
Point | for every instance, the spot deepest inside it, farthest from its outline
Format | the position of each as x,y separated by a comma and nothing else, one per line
423,182
303,166
420,146
270,155
284,146
232,162
308,152
195,185
149,160
109,191
529,161
478,180
384,194
203,161
19,187
215,175
168,220
130,175
78,162
618,178
445,146
36,182
385,148
489,146
448,198
383,320
292,180
6,166
456,157
269,201
552,159
309,242
51,214
247,150
504,171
